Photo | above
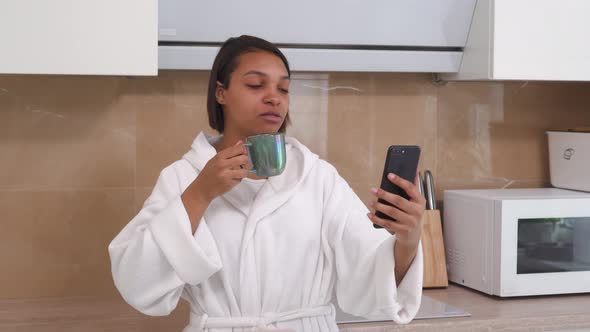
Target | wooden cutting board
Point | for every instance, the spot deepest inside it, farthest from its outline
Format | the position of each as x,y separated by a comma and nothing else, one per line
435,265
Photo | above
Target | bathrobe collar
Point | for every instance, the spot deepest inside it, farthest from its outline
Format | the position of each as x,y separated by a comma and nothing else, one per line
300,161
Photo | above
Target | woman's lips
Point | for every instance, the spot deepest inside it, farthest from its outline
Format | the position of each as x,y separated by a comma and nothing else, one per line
272,117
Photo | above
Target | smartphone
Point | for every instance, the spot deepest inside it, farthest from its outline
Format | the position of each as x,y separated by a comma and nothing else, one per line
401,160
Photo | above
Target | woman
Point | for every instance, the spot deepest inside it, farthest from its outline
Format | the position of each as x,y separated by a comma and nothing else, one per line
268,253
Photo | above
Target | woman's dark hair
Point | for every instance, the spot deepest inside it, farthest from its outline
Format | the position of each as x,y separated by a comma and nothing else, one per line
224,65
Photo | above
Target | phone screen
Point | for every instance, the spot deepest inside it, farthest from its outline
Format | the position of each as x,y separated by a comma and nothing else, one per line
401,160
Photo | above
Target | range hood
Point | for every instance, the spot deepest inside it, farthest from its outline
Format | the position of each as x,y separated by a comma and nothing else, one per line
327,35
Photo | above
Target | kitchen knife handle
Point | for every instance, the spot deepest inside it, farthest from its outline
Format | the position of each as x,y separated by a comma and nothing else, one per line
431,190
430,205
421,185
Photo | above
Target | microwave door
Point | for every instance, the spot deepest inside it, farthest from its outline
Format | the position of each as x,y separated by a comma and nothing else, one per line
547,245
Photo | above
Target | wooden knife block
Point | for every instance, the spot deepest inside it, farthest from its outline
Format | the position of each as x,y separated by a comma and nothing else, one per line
433,248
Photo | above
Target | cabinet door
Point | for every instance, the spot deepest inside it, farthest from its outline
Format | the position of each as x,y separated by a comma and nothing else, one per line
79,37
541,40
436,23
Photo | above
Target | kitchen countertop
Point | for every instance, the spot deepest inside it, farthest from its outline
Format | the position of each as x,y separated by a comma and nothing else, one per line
545,313
491,313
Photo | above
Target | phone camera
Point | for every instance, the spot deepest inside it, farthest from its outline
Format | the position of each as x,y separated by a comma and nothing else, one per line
403,151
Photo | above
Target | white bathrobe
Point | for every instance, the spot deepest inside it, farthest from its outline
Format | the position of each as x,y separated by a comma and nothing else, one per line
274,263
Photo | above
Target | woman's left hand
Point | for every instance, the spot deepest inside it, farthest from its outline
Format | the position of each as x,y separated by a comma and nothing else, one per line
407,213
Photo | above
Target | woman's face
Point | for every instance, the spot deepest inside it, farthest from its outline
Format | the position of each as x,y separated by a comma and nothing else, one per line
257,100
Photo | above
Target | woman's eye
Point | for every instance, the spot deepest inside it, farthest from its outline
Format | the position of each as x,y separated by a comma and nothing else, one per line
284,90
254,86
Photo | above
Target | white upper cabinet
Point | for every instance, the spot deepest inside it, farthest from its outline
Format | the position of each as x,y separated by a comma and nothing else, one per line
79,37
527,40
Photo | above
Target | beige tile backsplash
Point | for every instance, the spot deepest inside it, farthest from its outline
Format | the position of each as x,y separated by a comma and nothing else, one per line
79,155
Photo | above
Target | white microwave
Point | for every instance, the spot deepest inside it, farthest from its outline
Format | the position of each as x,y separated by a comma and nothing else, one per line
518,242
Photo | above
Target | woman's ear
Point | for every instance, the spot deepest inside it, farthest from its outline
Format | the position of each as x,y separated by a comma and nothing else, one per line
220,93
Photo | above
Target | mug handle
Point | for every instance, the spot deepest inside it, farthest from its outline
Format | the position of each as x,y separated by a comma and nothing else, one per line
248,146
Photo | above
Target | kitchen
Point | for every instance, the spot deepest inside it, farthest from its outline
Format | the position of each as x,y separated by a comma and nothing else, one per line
82,143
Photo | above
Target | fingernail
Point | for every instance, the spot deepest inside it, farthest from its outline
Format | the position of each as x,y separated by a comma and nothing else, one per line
391,176
371,203
370,215
374,190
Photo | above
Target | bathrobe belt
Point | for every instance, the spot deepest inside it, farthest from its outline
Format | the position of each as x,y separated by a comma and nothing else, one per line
203,322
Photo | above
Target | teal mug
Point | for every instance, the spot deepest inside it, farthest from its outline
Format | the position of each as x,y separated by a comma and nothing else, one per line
266,153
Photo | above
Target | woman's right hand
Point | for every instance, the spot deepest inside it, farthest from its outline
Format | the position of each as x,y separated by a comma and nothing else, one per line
221,173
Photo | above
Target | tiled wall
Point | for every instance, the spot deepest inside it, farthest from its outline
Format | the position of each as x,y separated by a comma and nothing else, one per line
79,155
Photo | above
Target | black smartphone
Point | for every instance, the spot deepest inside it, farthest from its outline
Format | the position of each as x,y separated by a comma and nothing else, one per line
401,160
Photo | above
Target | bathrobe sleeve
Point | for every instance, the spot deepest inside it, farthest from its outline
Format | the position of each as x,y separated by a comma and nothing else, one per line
365,284
156,254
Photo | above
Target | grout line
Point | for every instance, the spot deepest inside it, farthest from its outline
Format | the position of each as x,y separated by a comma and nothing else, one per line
50,188
436,138
135,111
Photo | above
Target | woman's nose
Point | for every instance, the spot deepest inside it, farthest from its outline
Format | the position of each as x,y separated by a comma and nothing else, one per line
272,98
